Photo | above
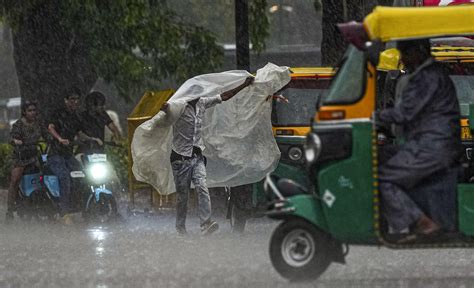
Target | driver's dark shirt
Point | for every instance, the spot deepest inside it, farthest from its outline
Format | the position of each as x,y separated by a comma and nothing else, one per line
94,123
67,124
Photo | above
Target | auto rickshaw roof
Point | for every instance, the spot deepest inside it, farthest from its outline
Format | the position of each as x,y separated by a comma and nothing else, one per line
150,104
312,72
390,58
404,23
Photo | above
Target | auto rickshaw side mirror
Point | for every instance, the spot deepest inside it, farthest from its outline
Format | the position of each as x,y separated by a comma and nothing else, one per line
471,117
373,49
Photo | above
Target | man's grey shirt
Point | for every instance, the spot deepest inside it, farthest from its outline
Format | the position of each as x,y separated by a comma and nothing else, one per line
187,129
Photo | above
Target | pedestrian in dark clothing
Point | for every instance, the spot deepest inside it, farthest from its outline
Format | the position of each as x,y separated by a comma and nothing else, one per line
187,161
418,184
24,135
64,126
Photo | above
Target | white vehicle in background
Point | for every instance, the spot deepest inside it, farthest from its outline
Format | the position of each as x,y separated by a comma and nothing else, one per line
10,111
13,110
115,118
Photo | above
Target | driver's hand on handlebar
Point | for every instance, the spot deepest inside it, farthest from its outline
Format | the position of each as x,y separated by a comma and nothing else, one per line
100,142
17,142
63,141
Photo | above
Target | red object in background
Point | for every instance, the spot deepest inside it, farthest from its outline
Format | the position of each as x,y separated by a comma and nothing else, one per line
446,2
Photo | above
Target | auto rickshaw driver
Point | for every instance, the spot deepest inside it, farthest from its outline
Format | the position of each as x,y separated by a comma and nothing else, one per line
418,183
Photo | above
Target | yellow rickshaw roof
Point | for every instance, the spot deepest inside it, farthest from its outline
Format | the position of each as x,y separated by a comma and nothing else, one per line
312,71
393,23
150,104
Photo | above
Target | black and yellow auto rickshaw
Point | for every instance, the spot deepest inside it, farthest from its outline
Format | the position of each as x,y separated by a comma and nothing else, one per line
341,204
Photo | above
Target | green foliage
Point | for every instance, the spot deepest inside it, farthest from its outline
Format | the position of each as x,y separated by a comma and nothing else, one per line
119,158
5,163
132,43
221,18
259,26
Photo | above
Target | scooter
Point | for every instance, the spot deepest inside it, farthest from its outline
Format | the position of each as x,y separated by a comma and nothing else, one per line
38,193
99,202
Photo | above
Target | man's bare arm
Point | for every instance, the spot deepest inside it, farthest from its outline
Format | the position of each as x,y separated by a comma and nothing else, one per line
231,93
55,134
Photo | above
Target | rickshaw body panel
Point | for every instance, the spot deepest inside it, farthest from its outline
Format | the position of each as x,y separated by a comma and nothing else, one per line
347,190
466,208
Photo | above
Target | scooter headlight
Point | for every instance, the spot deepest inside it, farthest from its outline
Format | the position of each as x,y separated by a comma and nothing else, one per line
98,171
312,148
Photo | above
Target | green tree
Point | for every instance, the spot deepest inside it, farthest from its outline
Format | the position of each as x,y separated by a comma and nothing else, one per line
132,43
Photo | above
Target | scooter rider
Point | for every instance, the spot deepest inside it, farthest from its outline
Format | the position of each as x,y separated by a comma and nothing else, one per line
25,133
95,118
64,126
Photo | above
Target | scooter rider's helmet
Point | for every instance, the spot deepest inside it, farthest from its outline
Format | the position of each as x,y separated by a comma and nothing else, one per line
94,99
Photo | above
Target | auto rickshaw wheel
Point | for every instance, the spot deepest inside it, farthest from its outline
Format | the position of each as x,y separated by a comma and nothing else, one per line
299,251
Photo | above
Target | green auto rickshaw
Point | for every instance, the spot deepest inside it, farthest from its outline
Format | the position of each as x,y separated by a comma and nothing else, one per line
340,206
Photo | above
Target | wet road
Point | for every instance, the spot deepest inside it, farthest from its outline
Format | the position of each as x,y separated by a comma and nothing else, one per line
146,252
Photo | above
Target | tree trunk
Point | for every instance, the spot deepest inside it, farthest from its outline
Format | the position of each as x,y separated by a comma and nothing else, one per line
242,34
48,59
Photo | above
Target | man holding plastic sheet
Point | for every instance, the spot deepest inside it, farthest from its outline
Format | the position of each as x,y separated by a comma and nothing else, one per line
187,161
418,184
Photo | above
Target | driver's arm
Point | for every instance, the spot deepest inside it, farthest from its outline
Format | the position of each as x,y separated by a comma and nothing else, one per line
416,95
84,137
55,134
115,131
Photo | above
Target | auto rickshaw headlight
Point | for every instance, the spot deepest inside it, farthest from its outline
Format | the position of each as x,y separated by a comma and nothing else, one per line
312,148
295,153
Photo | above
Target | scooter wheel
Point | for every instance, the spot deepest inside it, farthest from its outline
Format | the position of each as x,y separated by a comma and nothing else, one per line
102,211
299,251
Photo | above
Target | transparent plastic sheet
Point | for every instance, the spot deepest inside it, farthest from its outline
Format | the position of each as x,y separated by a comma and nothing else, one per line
237,134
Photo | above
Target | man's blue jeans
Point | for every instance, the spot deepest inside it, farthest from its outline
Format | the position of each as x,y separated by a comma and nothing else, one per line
61,166
184,172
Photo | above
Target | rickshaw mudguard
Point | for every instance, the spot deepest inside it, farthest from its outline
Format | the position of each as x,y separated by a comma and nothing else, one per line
309,208
348,189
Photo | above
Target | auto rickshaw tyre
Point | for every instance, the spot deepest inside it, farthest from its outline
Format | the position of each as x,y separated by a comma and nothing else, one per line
299,251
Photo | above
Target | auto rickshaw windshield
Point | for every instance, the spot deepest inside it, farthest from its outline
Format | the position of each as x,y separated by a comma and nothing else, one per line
299,109
348,85
465,91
